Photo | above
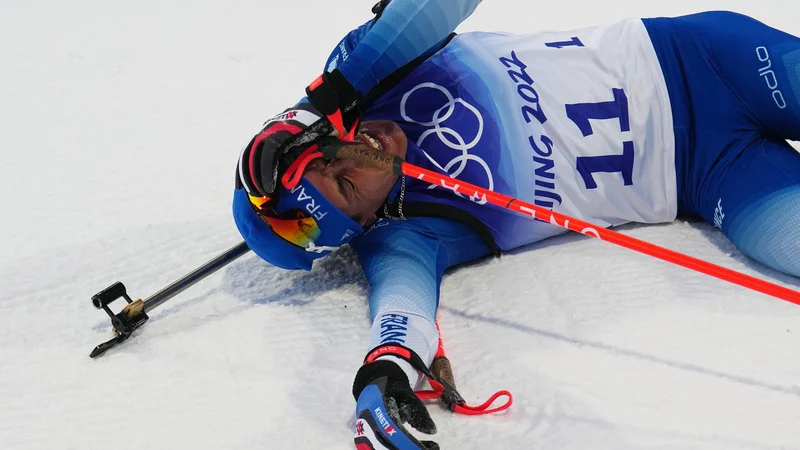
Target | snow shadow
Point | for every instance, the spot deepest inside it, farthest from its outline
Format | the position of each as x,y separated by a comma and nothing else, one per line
256,282
618,351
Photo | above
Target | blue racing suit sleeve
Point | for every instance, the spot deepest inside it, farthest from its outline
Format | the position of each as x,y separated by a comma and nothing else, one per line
405,30
404,261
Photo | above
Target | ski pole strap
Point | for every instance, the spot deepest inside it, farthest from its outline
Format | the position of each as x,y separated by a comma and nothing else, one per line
441,389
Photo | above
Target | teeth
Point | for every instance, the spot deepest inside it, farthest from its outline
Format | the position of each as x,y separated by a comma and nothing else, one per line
372,141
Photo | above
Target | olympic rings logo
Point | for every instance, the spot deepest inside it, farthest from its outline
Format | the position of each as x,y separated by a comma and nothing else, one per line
448,136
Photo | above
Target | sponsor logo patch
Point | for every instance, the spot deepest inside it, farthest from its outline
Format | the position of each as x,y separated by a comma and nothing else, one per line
718,215
388,428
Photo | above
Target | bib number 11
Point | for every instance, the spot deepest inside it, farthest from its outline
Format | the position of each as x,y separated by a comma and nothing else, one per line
581,115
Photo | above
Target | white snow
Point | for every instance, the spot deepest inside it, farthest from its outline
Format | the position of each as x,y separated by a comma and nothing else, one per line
120,124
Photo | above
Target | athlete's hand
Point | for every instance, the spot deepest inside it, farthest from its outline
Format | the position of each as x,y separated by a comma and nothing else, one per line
262,158
287,135
385,401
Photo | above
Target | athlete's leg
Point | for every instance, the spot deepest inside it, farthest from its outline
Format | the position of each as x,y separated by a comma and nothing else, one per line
752,189
758,204
759,64
734,86
732,80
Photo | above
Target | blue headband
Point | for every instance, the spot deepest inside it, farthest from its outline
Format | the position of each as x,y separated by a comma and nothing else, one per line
335,227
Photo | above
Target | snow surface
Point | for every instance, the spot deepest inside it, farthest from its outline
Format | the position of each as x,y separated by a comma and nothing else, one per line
120,123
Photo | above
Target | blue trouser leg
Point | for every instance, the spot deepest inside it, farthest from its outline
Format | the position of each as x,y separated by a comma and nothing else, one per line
758,204
759,67
734,85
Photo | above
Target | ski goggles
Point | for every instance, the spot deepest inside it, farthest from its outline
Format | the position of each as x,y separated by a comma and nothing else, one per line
292,226
303,217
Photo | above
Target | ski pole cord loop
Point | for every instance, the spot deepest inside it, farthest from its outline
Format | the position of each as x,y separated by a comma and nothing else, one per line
483,408
442,390
463,408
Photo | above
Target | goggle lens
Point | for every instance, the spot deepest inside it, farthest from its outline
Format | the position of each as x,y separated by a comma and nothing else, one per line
292,226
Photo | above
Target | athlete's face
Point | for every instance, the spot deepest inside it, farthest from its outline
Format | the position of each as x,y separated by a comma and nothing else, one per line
356,189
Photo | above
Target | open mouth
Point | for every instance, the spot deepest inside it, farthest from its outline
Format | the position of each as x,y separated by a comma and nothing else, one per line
373,141
383,135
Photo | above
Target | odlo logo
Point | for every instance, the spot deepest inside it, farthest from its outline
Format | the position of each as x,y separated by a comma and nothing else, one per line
768,74
718,215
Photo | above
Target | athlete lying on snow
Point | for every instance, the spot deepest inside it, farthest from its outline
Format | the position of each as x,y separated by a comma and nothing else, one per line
639,121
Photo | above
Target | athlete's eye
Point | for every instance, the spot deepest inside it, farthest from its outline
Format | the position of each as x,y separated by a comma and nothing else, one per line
345,185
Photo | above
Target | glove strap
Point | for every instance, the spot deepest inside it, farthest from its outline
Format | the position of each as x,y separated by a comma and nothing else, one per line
442,389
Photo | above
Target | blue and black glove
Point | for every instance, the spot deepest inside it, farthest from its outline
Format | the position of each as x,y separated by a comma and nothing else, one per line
385,401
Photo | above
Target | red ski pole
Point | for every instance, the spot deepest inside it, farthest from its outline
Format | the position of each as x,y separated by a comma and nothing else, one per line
397,166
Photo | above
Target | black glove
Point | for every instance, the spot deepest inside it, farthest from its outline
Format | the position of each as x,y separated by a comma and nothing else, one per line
289,134
338,101
262,160
385,401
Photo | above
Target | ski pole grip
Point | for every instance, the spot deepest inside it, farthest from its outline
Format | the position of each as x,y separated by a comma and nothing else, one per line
442,369
369,156
108,295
